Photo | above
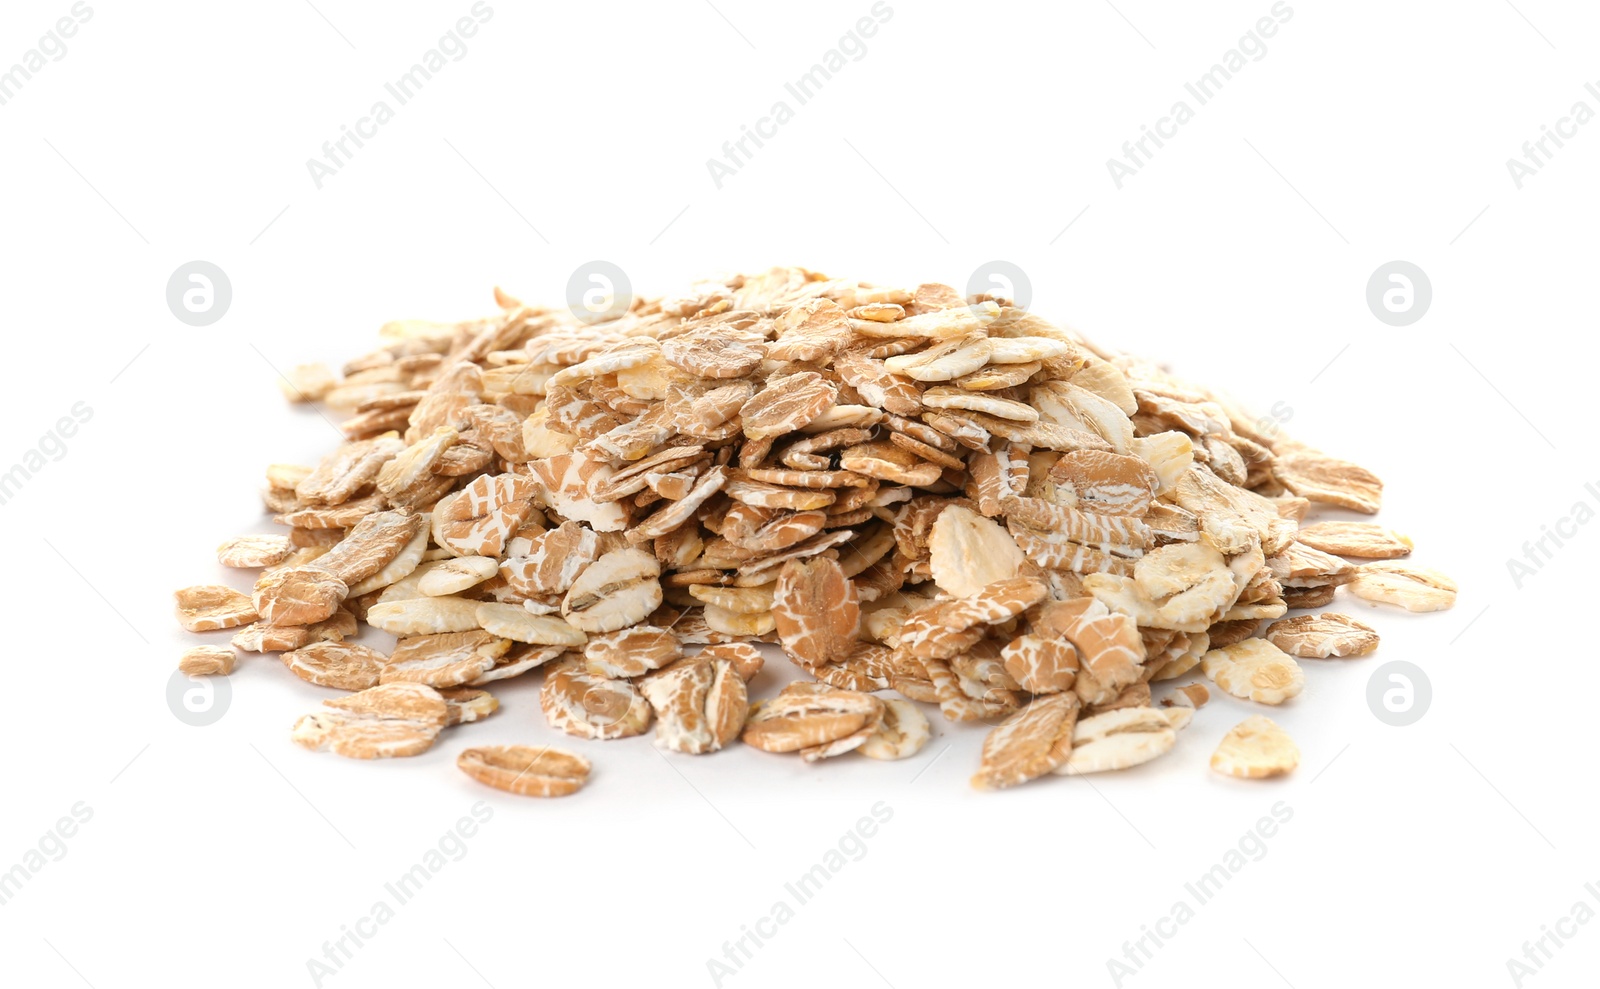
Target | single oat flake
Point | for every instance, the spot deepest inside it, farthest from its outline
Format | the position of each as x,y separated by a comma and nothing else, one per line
1256,748
919,499
525,770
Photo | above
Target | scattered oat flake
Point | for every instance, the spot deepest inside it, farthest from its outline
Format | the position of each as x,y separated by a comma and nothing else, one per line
254,551
1411,588
393,719
1256,748
1362,540
212,606
207,661
525,770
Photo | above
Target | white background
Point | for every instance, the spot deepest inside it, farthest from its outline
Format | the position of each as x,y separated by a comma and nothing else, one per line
1368,132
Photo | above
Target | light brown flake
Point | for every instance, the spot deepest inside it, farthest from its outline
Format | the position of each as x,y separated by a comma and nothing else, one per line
517,623
446,659
967,552
1034,741
307,382
717,351
346,471
1120,739
949,397
1107,483
700,704
371,545
341,665
1193,696
1322,636
480,518
553,560
1256,670
525,770
254,551
519,659
468,704
885,461
1411,588
298,595
817,612
1256,748
457,574
814,719
1362,540
207,661
746,659
1040,664
424,615
759,494
900,734
393,719
579,703
206,607
787,404
945,360
619,589
1327,480
631,652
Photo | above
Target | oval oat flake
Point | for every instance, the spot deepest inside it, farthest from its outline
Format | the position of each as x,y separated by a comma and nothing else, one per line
813,719
579,703
787,404
617,590
342,665
254,551
525,770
